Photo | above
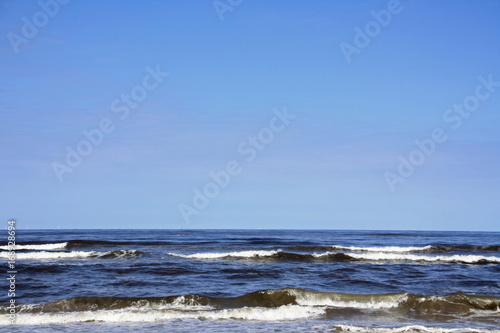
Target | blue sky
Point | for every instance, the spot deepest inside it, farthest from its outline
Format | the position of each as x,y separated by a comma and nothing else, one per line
354,121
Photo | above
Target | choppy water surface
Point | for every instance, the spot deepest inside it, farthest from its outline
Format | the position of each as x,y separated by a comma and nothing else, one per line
255,281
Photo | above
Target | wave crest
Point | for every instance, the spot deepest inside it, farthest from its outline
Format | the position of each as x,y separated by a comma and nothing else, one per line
51,246
41,255
384,248
340,256
273,304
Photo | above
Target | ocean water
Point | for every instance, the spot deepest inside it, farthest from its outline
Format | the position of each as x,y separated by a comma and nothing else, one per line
253,281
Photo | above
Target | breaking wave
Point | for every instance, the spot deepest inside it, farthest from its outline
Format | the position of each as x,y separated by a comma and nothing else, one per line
217,255
341,256
427,248
384,248
468,259
274,304
52,246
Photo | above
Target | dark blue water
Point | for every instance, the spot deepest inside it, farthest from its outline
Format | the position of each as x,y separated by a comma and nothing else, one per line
255,280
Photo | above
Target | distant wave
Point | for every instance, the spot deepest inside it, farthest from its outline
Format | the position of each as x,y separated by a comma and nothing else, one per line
381,256
82,243
89,243
340,256
52,246
263,254
465,247
86,243
384,248
40,255
427,248
217,255
274,304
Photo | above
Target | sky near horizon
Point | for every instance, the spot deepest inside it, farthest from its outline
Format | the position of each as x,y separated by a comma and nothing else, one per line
250,114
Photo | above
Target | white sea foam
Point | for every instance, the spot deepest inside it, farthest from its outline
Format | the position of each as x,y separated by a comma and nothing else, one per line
412,329
383,248
52,255
40,255
372,256
179,303
217,255
52,246
380,256
287,312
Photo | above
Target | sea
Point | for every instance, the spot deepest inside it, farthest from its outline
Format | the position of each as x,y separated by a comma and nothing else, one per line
251,281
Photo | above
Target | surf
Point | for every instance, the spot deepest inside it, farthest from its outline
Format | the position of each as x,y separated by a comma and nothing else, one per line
370,256
270,304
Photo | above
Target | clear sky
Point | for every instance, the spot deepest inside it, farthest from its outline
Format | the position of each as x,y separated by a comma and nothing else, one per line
308,112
